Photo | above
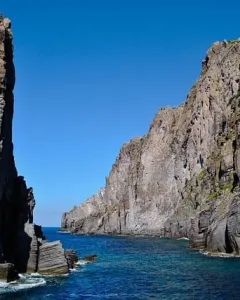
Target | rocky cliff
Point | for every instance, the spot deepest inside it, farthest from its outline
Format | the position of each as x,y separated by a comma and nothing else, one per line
182,178
23,248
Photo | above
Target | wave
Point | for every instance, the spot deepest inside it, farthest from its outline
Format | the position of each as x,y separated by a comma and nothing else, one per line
54,275
74,270
219,254
184,238
24,282
36,275
82,262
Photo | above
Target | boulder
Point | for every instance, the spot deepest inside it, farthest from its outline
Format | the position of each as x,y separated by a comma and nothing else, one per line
71,257
52,260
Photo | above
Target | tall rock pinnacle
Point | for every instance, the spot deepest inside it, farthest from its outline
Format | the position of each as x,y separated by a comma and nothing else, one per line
23,248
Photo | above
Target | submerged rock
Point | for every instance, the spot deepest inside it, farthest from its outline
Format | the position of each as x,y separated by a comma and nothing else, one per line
90,258
182,178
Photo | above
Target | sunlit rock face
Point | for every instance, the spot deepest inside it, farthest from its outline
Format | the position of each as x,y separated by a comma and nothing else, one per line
21,241
181,178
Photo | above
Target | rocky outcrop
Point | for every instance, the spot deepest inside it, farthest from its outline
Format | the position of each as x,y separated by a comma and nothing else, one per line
78,218
72,258
52,260
23,248
181,178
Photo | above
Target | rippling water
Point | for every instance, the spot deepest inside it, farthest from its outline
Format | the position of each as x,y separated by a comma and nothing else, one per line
135,268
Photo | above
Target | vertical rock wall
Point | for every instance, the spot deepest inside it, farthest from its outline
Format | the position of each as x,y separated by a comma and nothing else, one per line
22,244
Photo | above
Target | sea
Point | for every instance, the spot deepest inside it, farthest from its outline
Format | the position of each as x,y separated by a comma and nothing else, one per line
132,268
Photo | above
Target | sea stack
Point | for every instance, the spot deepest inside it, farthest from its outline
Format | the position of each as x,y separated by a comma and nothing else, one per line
182,178
23,248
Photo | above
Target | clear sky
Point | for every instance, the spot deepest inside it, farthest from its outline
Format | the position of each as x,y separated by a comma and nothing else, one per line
91,75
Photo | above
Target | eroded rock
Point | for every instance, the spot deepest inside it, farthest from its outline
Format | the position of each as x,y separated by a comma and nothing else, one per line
52,260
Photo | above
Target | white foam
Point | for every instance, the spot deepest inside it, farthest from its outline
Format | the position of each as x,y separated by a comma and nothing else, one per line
74,270
184,238
36,275
30,283
220,254
3,284
24,282
81,262
55,275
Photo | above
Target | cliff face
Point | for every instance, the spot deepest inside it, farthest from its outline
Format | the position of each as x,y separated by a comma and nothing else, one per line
182,178
22,244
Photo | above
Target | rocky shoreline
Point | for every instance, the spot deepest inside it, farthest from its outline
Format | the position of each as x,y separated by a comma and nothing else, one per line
182,178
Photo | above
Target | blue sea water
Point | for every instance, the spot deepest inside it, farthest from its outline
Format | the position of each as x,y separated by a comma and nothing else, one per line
136,268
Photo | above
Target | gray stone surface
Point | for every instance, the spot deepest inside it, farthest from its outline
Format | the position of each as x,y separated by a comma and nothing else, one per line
78,218
182,177
52,260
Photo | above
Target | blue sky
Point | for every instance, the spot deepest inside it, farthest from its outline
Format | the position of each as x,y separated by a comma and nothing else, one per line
91,75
